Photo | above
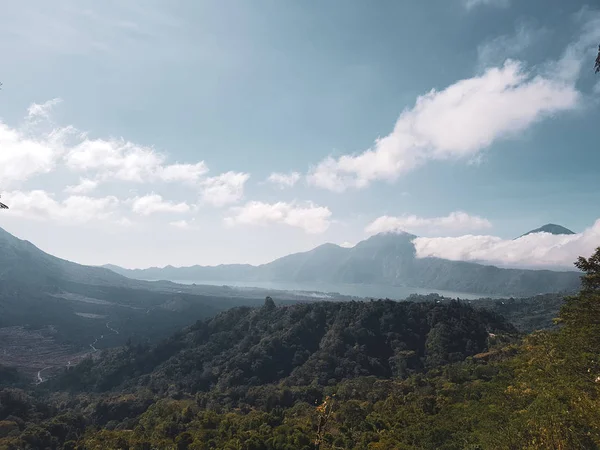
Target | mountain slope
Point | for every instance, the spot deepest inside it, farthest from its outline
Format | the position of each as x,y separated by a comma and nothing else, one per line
22,262
550,228
299,345
52,310
387,259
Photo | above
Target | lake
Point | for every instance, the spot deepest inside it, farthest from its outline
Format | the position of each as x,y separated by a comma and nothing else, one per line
357,290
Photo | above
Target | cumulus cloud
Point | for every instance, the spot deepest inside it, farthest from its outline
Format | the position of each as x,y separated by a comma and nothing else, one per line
154,203
284,180
534,250
347,244
28,150
470,4
467,117
126,161
190,173
224,189
455,123
73,210
457,221
84,186
311,218
22,156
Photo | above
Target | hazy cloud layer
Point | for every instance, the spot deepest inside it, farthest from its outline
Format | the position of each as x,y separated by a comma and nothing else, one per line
183,224
309,217
457,221
84,186
470,4
284,180
534,250
511,46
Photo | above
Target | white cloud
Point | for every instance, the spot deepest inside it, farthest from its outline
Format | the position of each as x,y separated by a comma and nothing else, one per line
495,51
347,244
533,250
470,4
126,161
224,189
457,221
190,173
42,111
455,123
27,151
74,210
154,203
578,54
117,159
84,187
22,157
311,218
284,180
467,117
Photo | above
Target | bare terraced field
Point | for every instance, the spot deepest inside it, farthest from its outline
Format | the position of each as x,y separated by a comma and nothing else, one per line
35,352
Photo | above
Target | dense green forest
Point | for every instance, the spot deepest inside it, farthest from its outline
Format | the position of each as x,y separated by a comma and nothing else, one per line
350,375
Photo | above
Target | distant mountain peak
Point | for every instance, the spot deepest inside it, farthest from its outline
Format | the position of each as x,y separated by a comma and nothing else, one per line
551,228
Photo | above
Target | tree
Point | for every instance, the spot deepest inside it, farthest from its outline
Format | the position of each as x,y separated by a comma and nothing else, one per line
597,66
269,304
583,310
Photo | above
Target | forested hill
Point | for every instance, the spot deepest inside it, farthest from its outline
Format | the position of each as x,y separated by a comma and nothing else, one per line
320,343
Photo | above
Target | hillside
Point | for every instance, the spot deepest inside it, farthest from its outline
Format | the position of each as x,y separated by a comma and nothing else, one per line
21,262
387,259
303,344
53,312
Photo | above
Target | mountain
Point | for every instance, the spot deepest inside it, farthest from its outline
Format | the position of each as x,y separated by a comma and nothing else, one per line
550,228
21,262
386,259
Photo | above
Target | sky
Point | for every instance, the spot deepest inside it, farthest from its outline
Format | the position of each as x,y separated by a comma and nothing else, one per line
149,133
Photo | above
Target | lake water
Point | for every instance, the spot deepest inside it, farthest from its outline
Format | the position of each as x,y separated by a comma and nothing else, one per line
357,290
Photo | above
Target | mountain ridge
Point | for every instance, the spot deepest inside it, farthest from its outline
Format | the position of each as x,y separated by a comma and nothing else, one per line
386,259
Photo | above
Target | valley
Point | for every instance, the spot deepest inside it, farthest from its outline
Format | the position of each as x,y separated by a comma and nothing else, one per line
91,359
54,313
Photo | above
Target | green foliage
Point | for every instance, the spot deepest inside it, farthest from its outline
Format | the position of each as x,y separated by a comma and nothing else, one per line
319,343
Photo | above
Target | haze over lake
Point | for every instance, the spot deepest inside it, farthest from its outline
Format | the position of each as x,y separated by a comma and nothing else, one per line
357,290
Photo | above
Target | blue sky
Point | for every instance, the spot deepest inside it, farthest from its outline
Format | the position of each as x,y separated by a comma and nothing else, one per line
175,114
